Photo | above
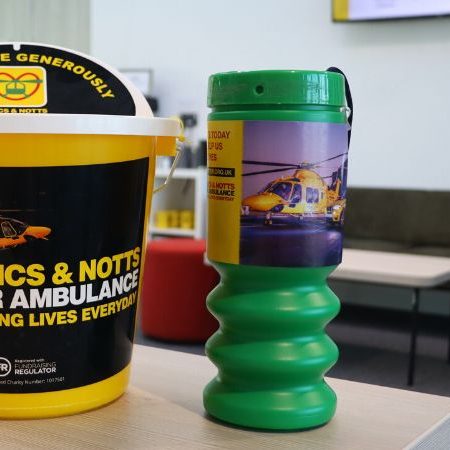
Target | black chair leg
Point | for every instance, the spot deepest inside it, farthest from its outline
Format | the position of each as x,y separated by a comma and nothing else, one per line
448,347
415,301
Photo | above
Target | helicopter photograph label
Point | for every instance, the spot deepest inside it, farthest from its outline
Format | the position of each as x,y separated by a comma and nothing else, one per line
23,86
289,192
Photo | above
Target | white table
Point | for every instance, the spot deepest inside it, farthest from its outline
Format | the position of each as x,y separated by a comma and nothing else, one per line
396,269
163,411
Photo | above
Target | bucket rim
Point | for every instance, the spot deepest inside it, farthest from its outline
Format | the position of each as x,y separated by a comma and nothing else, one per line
103,124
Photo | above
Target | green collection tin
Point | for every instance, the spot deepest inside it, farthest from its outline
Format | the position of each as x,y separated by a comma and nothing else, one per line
277,170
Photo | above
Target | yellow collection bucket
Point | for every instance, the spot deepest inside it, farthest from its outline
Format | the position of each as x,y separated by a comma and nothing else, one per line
75,197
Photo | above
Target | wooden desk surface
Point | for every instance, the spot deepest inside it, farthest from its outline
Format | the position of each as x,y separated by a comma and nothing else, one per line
399,269
163,410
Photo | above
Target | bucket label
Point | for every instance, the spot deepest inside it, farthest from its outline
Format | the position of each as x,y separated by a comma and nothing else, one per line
276,192
40,79
71,253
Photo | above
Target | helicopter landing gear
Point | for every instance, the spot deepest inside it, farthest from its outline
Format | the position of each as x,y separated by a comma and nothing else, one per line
276,209
341,219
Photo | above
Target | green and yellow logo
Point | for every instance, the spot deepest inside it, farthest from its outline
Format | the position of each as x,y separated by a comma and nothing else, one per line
23,86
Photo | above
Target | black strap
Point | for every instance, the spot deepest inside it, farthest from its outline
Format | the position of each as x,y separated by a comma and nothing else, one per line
348,97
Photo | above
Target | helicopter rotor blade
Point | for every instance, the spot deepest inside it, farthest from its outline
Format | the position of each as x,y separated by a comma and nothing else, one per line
17,210
21,81
294,166
329,159
265,163
269,171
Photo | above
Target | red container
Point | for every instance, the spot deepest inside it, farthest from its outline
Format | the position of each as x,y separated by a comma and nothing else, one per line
176,283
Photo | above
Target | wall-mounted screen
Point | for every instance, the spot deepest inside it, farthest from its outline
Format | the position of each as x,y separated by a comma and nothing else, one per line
354,10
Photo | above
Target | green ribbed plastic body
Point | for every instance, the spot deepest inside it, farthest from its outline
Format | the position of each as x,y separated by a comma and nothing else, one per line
271,350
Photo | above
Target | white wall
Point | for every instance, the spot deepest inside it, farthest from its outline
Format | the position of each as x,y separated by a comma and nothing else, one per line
64,23
399,71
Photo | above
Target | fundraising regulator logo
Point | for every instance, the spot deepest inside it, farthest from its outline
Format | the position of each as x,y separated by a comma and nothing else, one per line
5,367
23,86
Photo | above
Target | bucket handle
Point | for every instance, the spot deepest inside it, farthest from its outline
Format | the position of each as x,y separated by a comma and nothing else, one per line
179,151
173,166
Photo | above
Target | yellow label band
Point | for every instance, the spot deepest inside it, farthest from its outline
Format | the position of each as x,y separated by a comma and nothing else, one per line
43,150
340,10
225,144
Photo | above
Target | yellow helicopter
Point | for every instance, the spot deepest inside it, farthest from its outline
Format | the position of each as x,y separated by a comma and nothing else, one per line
18,86
13,232
303,194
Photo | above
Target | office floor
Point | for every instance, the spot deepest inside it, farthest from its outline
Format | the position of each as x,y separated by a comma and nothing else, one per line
374,347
